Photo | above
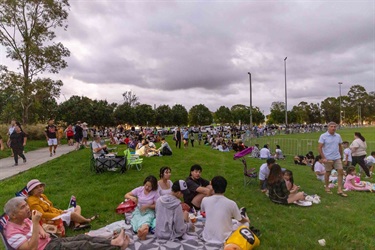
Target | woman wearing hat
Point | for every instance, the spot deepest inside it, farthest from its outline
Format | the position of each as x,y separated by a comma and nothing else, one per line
37,200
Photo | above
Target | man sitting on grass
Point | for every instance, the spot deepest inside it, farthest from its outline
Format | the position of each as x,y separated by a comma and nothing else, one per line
198,187
24,234
219,213
264,171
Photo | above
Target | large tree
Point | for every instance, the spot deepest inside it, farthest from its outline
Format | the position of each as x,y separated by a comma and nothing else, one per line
179,115
223,115
163,115
27,31
277,115
200,115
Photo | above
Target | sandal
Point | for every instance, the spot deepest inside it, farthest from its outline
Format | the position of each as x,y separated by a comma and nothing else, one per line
342,194
328,191
81,227
96,216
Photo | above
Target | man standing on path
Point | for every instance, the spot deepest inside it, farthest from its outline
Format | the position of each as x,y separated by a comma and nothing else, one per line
78,134
10,131
51,137
330,148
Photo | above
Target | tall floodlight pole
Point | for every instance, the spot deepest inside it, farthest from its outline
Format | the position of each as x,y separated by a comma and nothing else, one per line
286,95
251,104
340,83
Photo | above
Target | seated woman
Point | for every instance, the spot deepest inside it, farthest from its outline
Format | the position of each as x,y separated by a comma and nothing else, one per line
165,183
351,184
310,158
145,150
278,153
143,217
319,168
37,200
277,188
255,152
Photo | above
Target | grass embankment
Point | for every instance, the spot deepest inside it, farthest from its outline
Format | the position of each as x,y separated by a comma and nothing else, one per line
345,223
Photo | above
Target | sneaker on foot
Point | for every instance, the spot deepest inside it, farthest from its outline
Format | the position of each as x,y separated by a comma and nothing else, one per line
24,160
15,164
54,152
50,154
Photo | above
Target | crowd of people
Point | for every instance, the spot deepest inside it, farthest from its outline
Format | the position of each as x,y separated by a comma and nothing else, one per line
158,209
335,166
158,202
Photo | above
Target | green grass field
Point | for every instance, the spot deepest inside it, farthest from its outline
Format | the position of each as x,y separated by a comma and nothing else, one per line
345,223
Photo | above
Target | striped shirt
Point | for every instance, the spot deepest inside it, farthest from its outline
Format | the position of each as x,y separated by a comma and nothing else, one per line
17,235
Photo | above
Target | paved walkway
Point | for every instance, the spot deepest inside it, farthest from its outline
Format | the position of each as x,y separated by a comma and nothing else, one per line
34,158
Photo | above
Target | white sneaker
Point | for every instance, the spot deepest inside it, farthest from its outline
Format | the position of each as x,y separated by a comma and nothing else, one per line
309,198
316,200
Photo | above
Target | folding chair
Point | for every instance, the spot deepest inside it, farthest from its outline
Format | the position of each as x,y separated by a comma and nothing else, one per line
249,174
3,221
133,160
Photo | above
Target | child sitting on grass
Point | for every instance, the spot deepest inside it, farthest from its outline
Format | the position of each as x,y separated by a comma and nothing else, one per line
319,168
289,181
351,184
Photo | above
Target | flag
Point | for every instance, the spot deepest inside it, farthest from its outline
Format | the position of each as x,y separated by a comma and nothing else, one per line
73,202
22,193
3,220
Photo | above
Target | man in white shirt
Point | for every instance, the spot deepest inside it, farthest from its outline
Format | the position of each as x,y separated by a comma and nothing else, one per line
264,171
265,153
219,224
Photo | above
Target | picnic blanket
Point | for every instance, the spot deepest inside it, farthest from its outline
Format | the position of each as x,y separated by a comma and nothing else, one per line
151,243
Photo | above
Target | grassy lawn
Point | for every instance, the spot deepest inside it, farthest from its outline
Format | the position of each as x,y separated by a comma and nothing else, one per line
345,223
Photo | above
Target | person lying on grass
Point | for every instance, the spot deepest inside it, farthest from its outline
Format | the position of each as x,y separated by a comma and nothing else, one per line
21,233
352,184
143,217
37,200
277,188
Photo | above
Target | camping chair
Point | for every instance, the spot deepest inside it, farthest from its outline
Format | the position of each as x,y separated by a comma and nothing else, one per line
133,160
249,174
3,221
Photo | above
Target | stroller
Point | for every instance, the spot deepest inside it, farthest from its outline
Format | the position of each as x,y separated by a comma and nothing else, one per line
249,174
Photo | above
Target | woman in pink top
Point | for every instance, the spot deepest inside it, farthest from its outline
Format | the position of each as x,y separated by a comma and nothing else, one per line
351,184
143,217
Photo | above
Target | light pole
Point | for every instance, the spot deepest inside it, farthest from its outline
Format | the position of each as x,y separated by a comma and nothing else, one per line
286,95
340,83
251,105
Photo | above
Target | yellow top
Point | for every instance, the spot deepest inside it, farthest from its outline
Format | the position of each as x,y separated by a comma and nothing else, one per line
43,205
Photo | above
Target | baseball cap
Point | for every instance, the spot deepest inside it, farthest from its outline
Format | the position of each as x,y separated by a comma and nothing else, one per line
180,185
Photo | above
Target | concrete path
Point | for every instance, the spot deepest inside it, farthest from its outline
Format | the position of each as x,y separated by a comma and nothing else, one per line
34,158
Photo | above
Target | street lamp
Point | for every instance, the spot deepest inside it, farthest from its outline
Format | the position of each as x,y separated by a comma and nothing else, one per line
251,105
286,97
340,83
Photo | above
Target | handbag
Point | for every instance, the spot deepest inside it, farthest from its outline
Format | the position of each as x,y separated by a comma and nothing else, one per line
126,206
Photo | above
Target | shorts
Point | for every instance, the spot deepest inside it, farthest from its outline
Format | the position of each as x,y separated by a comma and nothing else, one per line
333,164
52,141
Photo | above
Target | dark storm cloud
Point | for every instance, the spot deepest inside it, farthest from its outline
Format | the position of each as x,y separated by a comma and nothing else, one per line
207,48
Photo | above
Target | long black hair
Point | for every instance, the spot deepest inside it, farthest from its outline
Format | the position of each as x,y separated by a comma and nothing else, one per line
317,158
360,136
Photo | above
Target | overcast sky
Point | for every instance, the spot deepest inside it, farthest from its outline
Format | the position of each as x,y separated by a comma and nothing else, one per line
199,52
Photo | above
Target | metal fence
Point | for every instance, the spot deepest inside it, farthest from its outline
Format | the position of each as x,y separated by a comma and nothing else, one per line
294,146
